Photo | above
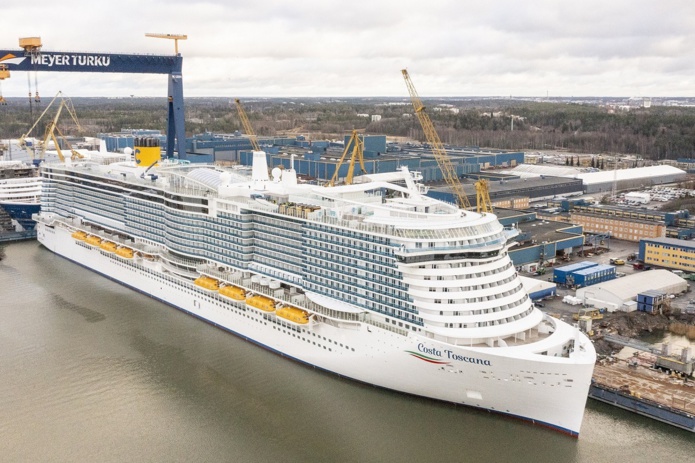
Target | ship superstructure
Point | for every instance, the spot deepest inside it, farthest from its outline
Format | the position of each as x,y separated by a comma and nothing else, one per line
374,281
20,192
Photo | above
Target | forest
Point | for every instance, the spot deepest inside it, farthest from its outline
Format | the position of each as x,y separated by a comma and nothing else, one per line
658,132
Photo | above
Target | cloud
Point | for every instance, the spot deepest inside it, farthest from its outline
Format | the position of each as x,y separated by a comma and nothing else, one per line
357,48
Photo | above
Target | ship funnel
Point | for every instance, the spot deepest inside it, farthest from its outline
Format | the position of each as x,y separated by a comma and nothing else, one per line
259,172
147,151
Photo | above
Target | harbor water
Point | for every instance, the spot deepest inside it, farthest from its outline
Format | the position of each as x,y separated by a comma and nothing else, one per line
93,371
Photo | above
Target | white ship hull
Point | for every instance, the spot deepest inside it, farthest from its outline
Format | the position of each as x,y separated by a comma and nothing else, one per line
543,389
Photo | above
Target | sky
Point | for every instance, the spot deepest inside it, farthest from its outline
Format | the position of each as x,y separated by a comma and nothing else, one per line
336,48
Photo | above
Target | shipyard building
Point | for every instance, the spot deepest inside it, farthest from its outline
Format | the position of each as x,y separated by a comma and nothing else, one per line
668,252
621,293
596,181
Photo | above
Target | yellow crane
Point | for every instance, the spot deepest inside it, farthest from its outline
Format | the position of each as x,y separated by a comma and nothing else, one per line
447,168
32,47
174,37
22,139
357,145
52,128
482,190
247,125
4,74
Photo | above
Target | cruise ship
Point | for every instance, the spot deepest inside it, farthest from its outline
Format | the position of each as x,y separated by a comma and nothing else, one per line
20,192
373,281
20,183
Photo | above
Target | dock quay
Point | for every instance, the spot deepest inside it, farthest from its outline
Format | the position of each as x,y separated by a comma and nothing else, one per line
635,385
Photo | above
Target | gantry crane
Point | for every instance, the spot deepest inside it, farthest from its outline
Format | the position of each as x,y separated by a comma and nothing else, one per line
174,37
36,59
247,125
32,49
357,145
447,168
482,193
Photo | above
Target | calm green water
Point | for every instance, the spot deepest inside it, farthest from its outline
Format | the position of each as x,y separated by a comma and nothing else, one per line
93,372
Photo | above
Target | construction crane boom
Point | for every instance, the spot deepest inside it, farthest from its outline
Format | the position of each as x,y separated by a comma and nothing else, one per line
22,142
52,128
247,125
357,145
447,168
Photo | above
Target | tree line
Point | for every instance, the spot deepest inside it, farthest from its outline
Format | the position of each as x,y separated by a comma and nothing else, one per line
655,133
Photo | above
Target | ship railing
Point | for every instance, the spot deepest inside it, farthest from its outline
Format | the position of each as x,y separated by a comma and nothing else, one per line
179,260
283,295
388,327
496,242
192,191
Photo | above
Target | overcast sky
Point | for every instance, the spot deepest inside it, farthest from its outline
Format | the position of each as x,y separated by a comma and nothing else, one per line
246,48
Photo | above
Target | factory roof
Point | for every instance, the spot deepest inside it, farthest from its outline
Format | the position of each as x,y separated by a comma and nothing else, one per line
536,170
629,286
671,242
607,176
545,232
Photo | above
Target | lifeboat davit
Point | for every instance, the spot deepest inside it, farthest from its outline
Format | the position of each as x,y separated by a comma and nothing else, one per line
233,292
259,302
208,283
293,314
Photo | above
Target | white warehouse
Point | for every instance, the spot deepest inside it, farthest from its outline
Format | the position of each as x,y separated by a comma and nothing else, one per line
639,177
615,294
636,196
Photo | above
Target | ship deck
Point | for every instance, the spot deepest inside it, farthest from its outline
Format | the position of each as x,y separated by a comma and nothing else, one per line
636,377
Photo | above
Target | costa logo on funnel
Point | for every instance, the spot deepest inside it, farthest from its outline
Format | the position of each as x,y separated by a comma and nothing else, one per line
12,59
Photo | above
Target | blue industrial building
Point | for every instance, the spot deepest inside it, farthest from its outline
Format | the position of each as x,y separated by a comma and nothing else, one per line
539,243
560,274
591,275
118,141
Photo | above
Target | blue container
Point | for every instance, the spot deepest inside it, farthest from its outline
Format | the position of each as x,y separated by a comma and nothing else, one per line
560,273
593,275
642,307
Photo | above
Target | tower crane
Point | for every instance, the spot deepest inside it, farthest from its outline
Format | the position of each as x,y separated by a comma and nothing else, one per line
52,128
174,37
357,155
22,139
447,168
247,125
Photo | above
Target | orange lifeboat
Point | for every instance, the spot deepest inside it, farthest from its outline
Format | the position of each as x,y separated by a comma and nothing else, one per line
108,246
259,302
293,314
79,235
124,252
93,240
233,292
208,283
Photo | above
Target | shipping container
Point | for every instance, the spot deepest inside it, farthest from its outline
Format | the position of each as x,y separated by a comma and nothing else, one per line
560,273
